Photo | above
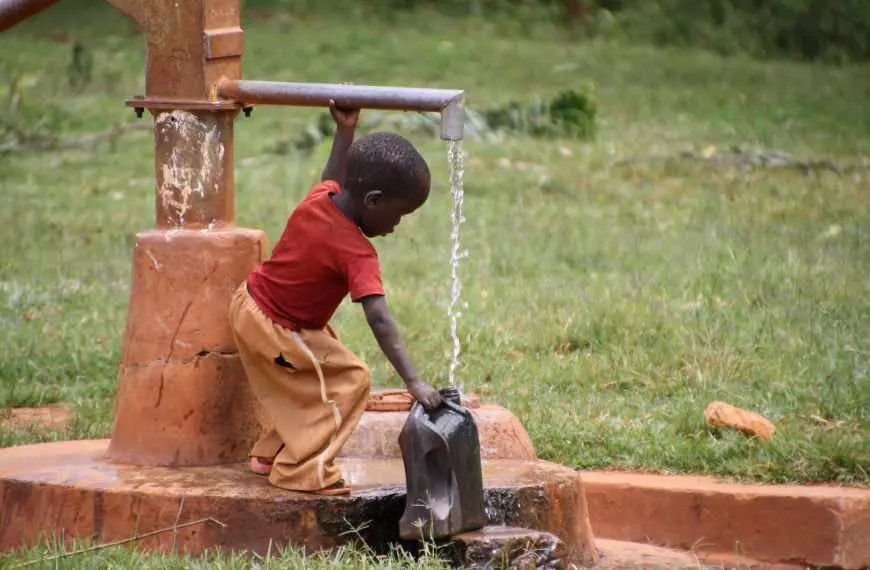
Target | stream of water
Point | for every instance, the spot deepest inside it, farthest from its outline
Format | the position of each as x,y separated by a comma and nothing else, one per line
454,309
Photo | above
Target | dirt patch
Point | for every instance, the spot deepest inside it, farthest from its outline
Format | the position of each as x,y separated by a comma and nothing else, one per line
53,417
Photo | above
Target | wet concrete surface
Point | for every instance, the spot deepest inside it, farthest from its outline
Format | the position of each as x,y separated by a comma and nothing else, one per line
70,486
84,462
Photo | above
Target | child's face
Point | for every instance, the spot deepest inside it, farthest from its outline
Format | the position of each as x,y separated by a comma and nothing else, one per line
382,214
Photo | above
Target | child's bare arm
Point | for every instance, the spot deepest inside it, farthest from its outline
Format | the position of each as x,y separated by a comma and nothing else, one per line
345,126
387,334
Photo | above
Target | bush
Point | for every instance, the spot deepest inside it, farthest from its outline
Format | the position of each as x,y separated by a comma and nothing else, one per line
807,29
570,114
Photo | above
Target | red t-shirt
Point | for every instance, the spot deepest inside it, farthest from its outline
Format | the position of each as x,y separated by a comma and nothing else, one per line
321,257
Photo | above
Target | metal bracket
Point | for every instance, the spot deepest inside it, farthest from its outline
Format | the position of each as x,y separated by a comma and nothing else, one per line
224,42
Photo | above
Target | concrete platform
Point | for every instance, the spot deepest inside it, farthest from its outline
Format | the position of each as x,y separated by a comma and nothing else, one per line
825,526
69,487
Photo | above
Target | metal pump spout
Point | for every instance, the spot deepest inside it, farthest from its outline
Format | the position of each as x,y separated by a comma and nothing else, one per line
447,102
453,121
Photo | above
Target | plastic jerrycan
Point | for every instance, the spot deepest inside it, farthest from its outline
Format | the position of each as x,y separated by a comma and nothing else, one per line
441,452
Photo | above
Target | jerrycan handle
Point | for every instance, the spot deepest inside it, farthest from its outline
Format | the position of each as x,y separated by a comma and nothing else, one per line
450,397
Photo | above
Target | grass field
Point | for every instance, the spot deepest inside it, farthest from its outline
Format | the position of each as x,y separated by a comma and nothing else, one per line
613,288
52,557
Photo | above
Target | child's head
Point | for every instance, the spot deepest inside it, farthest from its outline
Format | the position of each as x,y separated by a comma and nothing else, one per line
387,179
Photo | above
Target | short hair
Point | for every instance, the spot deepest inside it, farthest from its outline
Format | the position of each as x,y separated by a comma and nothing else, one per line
386,162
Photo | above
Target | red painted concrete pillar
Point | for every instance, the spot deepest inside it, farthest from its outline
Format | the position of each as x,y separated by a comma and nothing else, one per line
182,396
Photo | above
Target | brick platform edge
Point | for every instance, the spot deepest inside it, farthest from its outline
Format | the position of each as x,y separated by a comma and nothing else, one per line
786,524
617,555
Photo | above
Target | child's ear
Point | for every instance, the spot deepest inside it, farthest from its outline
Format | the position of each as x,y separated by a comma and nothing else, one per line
372,198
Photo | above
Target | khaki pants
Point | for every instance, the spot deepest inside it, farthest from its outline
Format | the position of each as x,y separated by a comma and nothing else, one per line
311,387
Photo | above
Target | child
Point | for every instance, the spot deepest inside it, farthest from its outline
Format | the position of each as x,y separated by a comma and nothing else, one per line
312,388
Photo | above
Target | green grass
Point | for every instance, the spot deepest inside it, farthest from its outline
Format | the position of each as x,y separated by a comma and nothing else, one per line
51,556
608,302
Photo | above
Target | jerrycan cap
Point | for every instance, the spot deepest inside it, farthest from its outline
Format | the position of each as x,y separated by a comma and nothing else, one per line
452,395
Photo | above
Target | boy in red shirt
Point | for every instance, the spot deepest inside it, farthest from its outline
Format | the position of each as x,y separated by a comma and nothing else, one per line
311,387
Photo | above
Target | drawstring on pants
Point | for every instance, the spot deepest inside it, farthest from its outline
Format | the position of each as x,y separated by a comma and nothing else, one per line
336,413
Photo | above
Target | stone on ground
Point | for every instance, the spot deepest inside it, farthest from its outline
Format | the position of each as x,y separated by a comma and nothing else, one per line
723,415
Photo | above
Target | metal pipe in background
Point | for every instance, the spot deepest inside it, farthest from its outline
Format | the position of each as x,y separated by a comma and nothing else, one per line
15,11
448,102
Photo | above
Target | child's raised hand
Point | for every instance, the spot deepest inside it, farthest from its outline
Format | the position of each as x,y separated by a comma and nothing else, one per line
344,118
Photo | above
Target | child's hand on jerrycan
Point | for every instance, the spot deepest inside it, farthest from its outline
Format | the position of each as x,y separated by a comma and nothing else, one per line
425,394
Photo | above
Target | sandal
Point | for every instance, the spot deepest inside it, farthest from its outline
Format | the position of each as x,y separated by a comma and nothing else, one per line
336,489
